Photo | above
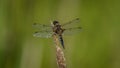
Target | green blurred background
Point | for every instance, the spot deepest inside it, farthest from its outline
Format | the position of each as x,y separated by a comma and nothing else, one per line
97,46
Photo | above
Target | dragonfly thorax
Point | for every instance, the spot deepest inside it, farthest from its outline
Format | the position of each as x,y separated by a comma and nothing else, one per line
57,28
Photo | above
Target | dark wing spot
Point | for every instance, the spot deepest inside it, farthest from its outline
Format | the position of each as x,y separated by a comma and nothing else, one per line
77,18
79,27
34,23
36,32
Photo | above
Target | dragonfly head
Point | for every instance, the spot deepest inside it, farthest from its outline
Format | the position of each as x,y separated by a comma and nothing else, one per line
55,23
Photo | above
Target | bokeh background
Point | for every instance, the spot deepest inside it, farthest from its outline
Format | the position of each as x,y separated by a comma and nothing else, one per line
96,46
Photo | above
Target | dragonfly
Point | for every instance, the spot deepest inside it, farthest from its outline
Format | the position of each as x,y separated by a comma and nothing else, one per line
68,28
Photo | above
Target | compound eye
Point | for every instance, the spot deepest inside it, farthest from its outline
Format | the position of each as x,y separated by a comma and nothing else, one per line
55,22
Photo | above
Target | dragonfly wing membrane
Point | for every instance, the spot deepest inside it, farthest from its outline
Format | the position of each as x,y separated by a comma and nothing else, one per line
73,23
41,26
43,34
71,31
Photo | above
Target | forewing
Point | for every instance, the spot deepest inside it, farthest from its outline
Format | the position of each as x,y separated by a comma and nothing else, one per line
70,24
41,26
43,34
71,31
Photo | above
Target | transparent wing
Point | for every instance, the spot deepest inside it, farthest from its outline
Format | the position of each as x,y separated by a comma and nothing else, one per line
73,23
71,31
41,26
43,34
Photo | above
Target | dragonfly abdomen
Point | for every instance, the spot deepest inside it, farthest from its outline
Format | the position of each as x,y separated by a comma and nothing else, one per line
61,41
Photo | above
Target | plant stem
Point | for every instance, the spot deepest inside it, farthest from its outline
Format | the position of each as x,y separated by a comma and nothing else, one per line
59,53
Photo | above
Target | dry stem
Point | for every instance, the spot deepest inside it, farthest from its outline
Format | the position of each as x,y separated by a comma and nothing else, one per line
59,54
